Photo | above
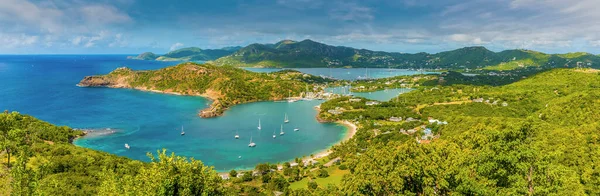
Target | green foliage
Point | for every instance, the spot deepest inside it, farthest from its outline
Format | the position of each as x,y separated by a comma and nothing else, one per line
194,54
165,175
541,142
312,185
233,173
323,173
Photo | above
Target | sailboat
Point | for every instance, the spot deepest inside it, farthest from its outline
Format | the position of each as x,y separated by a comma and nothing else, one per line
296,129
182,132
281,131
274,136
259,127
286,120
237,136
127,146
252,144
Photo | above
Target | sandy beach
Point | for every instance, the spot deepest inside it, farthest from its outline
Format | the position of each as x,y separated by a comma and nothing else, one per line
351,131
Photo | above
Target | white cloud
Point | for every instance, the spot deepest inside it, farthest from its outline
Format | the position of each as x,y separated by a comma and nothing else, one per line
118,41
175,46
349,11
20,40
46,19
77,40
104,14
467,39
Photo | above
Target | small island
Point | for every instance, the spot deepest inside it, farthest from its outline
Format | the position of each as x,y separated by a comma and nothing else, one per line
224,85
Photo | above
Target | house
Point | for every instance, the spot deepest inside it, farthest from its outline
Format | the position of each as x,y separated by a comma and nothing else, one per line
411,131
355,100
395,119
427,134
479,100
225,176
410,119
369,103
294,164
335,112
504,104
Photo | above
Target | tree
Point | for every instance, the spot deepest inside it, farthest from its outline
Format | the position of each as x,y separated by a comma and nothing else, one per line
247,176
165,175
312,185
262,168
233,173
323,173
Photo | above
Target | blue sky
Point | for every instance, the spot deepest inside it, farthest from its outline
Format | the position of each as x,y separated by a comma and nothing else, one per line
134,26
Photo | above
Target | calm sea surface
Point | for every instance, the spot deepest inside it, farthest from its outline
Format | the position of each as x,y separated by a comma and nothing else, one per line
44,86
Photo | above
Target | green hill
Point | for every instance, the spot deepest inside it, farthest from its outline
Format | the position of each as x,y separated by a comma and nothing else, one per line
188,54
308,53
195,54
225,85
537,136
145,56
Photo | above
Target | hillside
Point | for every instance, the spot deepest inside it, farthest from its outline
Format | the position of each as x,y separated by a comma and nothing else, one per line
225,85
188,54
145,56
308,53
537,136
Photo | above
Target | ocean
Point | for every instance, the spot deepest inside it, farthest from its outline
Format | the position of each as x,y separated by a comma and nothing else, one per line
44,86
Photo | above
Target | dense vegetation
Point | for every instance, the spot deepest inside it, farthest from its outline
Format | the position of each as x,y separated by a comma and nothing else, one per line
536,136
224,84
188,54
543,141
309,53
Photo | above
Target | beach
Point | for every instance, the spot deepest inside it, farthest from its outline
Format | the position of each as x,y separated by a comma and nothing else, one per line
350,132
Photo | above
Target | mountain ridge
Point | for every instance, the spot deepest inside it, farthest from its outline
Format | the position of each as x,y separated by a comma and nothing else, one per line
188,54
308,53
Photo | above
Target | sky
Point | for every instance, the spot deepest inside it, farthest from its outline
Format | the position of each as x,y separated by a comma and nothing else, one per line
135,26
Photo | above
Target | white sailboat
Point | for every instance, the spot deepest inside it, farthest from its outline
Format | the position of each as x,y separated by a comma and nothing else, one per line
286,120
237,136
281,131
127,146
259,127
252,144
182,132
274,136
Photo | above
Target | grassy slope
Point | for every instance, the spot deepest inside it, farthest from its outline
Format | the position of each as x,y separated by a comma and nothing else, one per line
224,84
334,178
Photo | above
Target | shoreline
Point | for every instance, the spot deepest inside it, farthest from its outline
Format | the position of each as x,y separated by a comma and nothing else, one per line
351,130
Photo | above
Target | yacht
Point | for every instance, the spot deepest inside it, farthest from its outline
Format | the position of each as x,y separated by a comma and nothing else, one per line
127,146
259,127
252,144
296,129
237,136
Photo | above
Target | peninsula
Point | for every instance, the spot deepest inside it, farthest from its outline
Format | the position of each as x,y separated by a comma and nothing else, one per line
224,85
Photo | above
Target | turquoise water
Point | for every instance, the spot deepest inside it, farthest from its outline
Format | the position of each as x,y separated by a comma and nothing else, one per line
348,74
44,86
383,95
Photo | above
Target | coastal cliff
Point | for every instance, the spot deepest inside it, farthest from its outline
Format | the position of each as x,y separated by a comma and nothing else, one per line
225,86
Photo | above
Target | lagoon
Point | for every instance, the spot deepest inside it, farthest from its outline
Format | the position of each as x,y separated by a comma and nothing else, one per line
44,86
